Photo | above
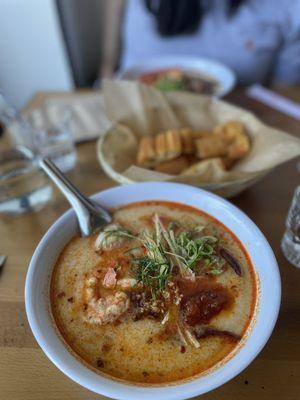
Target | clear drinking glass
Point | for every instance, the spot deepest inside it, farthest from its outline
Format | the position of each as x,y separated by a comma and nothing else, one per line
45,131
23,187
290,243
53,137
20,131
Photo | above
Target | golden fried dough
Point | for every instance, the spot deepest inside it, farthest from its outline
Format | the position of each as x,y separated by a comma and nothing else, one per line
239,148
187,141
167,145
210,146
173,167
230,130
146,153
173,143
160,144
201,134
234,134
173,151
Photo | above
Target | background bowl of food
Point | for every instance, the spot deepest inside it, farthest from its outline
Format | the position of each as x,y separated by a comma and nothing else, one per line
181,73
171,300
187,138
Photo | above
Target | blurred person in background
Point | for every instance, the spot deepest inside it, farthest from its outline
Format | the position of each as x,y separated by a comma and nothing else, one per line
258,39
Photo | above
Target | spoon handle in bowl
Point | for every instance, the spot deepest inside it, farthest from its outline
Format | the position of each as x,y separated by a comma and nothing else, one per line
90,215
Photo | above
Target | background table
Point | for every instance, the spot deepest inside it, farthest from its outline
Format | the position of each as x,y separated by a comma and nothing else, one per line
26,373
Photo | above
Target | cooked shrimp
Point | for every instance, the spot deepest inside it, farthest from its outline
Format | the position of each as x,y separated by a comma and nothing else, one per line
126,283
110,280
103,310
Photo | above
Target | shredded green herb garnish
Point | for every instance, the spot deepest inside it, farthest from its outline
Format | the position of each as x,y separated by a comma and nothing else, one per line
155,268
119,232
152,274
165,249
111,235
192,252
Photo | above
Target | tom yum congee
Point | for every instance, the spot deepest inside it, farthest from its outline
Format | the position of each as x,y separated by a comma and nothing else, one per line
164,293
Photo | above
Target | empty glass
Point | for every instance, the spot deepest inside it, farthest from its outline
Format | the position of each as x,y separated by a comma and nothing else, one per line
290,244
23,187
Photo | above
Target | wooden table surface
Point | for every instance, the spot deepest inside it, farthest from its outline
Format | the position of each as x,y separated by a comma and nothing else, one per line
26,373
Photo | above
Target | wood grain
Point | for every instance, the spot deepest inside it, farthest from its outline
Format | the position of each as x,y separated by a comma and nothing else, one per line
26,373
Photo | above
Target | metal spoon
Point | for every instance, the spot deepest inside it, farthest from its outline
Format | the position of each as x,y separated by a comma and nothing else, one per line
91,217
2,261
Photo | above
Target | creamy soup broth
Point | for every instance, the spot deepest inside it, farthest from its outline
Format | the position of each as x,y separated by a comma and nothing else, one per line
119,326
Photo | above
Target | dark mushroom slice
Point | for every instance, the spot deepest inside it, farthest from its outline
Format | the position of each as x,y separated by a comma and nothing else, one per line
203,331
231,260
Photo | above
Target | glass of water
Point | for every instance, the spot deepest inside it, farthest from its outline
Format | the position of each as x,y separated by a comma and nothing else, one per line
53,138
46,131
23,187
290,244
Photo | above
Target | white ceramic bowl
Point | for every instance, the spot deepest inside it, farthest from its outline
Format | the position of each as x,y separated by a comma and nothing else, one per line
221,73
43,260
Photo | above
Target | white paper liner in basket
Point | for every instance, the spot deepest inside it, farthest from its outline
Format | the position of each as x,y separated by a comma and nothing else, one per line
137,110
